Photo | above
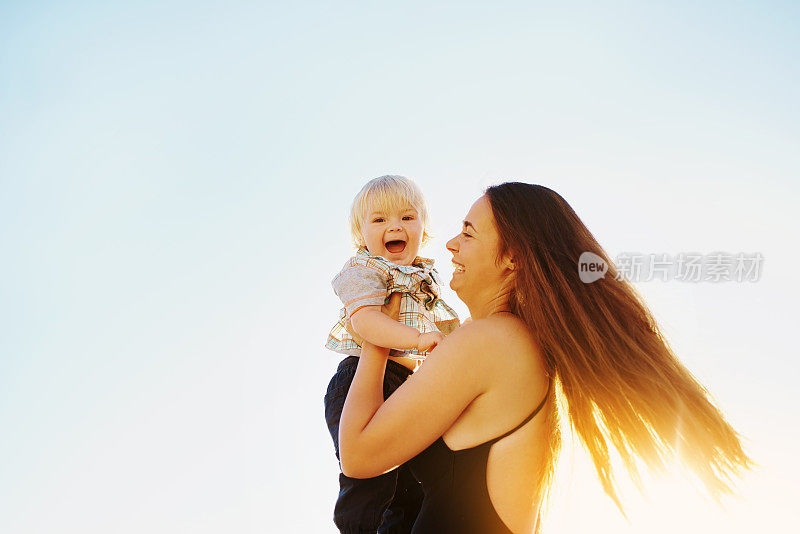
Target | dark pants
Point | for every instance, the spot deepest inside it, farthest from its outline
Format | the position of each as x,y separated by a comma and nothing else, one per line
388,503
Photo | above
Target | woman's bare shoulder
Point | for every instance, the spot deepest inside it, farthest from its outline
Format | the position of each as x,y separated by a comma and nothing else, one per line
475,338
500,333
496,326
501,339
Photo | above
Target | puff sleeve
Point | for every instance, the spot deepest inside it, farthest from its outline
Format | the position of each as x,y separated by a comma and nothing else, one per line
358,286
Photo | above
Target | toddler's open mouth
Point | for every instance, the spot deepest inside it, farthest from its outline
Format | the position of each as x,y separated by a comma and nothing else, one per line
395,246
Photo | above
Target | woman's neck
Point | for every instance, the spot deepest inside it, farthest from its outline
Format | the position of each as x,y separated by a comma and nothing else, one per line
480,310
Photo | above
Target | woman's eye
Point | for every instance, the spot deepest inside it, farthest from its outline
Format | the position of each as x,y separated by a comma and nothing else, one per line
465,234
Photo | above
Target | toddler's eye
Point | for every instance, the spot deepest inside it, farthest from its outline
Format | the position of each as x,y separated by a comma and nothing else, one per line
378,220
408,218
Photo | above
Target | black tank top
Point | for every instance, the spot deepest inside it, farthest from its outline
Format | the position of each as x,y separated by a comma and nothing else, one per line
454,482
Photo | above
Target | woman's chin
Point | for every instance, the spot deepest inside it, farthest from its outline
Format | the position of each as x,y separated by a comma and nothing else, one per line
454,283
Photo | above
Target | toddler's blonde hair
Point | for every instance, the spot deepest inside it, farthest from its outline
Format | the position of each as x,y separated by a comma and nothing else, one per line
386,193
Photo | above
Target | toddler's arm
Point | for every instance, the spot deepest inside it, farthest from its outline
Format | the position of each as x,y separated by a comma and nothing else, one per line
379,329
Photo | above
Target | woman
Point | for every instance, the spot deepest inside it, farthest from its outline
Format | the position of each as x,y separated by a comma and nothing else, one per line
478,421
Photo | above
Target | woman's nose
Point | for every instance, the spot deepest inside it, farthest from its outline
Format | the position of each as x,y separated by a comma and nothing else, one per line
451,245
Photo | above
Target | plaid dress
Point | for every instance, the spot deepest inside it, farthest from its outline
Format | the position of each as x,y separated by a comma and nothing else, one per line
367,280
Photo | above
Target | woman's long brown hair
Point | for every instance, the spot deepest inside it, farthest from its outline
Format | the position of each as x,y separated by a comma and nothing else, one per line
620,382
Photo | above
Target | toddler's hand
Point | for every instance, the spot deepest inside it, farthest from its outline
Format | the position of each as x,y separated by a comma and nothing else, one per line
428,341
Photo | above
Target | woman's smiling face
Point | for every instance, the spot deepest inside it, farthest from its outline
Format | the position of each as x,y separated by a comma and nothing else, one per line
479,276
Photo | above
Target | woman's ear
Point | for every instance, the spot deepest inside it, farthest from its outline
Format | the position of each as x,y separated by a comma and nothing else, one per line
508,262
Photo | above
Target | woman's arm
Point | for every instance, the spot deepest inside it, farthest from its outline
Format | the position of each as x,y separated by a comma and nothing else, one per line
377,436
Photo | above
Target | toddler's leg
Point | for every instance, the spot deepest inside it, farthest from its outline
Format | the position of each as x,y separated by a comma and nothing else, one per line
399,517
401,513
361,502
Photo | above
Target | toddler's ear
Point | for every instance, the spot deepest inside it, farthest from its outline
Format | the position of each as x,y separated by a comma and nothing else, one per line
392,308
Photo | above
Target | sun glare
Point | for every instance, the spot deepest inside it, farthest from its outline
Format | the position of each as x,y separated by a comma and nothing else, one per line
672,502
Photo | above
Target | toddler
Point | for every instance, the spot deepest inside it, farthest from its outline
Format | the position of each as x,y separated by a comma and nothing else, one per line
388,222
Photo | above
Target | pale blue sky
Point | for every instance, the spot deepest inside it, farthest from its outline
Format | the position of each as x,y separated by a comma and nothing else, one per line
174,186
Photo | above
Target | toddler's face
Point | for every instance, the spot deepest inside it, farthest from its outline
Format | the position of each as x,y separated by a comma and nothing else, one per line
395,234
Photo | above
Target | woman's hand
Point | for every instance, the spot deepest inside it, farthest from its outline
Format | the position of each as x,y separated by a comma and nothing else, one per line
392,308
